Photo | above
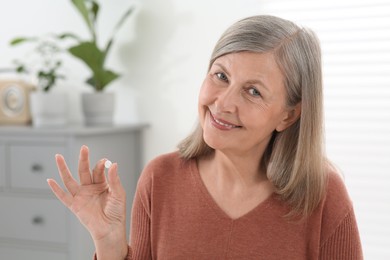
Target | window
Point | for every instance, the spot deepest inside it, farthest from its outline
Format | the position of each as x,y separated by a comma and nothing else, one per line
355,39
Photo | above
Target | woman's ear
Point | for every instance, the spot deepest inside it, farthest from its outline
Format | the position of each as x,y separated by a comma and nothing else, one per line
292,115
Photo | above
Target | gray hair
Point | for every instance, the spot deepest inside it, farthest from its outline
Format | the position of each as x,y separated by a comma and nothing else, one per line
294,159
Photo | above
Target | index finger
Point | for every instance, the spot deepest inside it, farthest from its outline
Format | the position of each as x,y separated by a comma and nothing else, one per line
67,178
84,171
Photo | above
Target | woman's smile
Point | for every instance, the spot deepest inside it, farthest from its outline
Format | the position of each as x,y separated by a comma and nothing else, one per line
220,123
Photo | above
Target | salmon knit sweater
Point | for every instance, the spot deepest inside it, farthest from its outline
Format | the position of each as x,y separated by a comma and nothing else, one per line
174,217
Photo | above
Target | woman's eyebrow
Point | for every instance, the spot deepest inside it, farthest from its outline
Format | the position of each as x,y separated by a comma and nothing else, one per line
220,65
260,83
251,81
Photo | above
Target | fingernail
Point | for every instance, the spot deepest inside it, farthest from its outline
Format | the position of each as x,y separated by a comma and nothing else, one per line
116,169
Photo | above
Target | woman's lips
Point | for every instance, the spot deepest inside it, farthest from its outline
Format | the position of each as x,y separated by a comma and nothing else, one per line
221,124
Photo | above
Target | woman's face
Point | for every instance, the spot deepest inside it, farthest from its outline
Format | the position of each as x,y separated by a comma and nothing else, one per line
241,102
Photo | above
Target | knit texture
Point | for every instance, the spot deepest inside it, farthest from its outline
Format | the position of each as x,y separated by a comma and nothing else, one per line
343,244
174,217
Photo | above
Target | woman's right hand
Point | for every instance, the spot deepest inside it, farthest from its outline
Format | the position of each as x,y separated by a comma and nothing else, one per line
99,203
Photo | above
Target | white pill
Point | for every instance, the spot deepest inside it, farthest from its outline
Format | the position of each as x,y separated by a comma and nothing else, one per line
107,164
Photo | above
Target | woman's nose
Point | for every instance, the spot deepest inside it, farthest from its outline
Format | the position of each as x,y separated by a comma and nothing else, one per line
227,100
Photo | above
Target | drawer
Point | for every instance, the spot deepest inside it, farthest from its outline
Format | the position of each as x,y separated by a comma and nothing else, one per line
22,254
33,219
31,165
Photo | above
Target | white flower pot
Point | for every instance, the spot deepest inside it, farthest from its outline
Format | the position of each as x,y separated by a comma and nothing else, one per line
48,109
98,108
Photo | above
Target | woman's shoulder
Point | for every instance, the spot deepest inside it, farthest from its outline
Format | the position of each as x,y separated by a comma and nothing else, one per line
336,196
163,166
163,162
336,205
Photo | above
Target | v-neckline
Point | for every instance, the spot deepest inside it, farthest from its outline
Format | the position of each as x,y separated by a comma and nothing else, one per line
261,206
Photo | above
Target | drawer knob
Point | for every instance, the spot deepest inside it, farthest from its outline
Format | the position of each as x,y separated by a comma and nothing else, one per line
37,168
38,220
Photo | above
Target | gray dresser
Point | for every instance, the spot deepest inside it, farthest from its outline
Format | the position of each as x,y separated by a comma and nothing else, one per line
33,223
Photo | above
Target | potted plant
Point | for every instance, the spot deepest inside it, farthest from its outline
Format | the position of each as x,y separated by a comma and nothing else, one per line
98,106
43,66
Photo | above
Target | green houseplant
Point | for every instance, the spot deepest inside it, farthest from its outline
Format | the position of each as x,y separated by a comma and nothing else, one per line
43,66
44,63
88,50
96,111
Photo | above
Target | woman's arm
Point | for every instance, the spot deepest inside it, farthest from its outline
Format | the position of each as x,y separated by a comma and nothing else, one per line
344,243
140,225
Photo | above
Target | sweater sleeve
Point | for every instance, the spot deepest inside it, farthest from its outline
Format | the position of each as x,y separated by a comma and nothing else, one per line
344,243
140,229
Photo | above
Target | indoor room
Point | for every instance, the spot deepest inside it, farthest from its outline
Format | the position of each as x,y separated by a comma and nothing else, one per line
119,82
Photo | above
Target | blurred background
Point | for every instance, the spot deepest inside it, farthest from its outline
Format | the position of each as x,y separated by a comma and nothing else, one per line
162,53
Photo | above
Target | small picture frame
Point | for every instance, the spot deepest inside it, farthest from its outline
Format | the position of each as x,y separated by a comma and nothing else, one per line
14,102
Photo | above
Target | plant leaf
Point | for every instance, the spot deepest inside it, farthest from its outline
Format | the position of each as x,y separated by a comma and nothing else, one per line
83,10
123,18
21,69
108,47
90,54
19,40
117,27
94,11
100,80
68,35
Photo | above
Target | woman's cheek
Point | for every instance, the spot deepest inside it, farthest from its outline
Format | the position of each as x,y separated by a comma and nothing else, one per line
206,94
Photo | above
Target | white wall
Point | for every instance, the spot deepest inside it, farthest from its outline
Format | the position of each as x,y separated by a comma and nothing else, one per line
162,52
174,41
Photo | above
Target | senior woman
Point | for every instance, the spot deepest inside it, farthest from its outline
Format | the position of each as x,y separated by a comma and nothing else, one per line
251,182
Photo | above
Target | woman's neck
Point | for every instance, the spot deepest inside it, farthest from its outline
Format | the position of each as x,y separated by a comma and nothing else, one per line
236,168
235,183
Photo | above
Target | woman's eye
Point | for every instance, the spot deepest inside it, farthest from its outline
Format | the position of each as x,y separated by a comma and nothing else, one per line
254,92
221,76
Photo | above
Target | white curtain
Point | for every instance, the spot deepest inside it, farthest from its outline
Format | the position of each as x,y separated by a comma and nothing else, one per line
355,39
